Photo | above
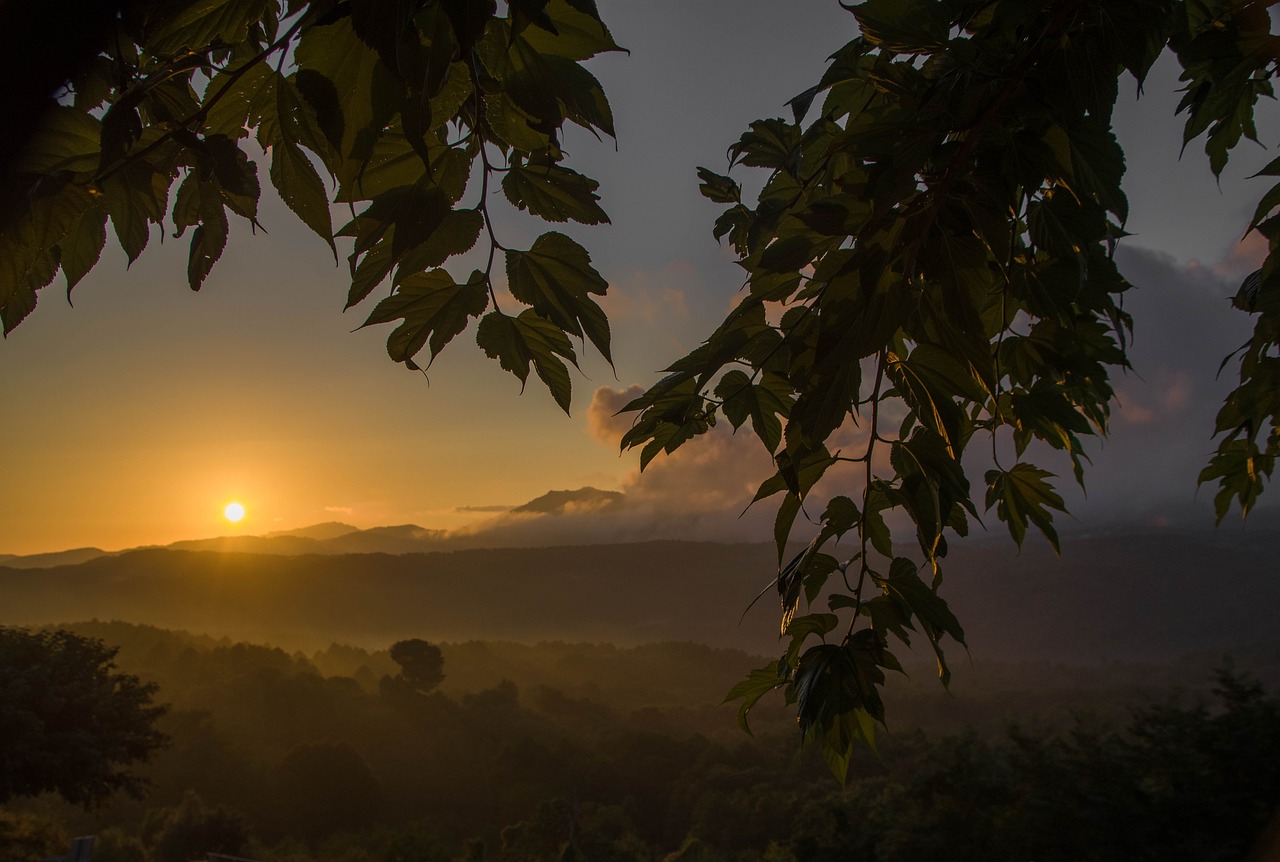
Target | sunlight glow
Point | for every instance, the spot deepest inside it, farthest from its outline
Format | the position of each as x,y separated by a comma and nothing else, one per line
234,512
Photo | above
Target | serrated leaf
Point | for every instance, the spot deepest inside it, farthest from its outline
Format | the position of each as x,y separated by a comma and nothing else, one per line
518,342
1021,494
353,106
81,248
136,196
758,683
762,403
553,192
719,188
196,24
555,276
575,33
67,140
434,309
302,190
904,26
457,234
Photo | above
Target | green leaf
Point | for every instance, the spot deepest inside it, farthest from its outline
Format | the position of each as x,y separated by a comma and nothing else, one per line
768,144
196,24
513,125
457,234
346,85
412,213
81,248
721,189
555,276
1021,494
762,403
1240,469
518,342
68,140
553,192
576,31
302,190
29,246
904,26
136,196
433,308
758,683
287,123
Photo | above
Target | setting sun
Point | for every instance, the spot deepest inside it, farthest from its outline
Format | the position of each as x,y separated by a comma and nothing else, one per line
234,512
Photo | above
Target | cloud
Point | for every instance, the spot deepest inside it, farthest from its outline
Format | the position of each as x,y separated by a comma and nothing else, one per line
340,510
1243,258
651,296
482,508
1145,472
603,420
1162,431
1168,393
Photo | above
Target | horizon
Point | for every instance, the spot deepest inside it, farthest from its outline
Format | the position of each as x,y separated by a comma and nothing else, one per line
147,409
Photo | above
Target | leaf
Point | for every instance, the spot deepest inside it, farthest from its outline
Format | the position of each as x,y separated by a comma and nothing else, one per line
555,276
286,123
553,192
28,246
904,26
1239,467
67,140
758,683
353,106
434,309
768,144
302,190
136,196
412,213
518,342
81,248
1021,494
762,403
576,31
196,24
721,189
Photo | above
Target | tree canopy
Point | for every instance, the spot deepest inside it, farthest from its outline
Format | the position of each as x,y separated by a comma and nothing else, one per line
70,723
929,264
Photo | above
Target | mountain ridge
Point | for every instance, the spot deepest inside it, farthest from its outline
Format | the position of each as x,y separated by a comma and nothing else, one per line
1138,597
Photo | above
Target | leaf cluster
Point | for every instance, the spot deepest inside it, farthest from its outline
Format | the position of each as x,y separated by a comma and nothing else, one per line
927,266
392,107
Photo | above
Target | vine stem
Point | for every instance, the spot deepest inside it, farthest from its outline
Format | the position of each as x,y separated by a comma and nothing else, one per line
863,566
486,169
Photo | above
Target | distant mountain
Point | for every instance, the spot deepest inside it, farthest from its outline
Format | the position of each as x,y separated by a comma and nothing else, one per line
510,528
559,502
55,558
1137,597
320,532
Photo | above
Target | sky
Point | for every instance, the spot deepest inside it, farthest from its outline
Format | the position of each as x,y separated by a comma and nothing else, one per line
135,416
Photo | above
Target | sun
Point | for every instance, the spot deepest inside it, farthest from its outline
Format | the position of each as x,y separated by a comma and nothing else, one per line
234,512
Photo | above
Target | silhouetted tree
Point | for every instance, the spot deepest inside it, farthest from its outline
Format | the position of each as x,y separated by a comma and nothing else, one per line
421,664
69,722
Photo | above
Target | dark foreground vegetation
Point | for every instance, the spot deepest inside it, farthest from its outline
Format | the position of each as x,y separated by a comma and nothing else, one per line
352,756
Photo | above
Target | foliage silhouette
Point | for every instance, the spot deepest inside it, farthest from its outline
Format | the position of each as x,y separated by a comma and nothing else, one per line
421,664
938,242
71,723
1172,779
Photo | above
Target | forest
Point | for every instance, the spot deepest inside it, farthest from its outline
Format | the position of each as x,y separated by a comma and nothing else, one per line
556,751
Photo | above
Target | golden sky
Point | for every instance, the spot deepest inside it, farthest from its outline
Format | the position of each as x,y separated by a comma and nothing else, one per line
135,416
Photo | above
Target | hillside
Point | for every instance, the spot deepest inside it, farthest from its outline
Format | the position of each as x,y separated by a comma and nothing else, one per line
1133,597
